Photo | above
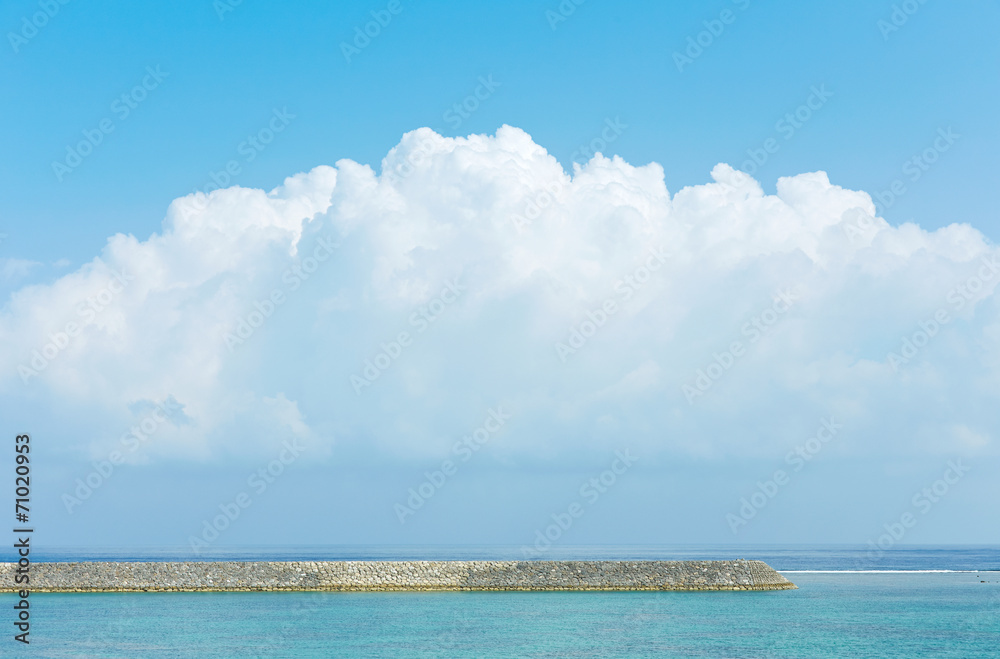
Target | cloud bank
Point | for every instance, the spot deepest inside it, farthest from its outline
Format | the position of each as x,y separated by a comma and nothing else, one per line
380,315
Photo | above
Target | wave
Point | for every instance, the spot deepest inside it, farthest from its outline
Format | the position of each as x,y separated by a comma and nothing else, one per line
876,571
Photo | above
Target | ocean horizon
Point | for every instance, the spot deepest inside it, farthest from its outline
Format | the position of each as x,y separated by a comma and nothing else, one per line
784,558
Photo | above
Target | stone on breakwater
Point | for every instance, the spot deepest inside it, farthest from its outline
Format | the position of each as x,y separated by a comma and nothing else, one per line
398,575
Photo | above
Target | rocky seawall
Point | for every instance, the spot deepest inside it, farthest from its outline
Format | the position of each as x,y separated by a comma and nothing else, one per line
397,575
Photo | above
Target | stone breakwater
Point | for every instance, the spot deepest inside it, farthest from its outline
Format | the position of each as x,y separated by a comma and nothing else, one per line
392,575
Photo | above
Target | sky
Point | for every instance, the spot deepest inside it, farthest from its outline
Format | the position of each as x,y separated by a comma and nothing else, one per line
530,273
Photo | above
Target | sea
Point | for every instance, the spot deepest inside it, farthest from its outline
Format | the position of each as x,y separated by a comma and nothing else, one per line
851,601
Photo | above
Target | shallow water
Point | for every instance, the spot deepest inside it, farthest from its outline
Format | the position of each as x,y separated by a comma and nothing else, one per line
830,615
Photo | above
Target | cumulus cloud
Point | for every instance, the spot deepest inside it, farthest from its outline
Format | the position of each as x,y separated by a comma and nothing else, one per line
381,314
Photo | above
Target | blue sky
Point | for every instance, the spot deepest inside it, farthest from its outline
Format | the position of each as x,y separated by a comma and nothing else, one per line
869,100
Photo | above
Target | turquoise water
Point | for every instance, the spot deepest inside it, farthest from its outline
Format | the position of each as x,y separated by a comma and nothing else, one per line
844,614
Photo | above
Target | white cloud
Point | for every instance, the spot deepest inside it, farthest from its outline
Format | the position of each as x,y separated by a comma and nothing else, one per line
537,249
13,270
